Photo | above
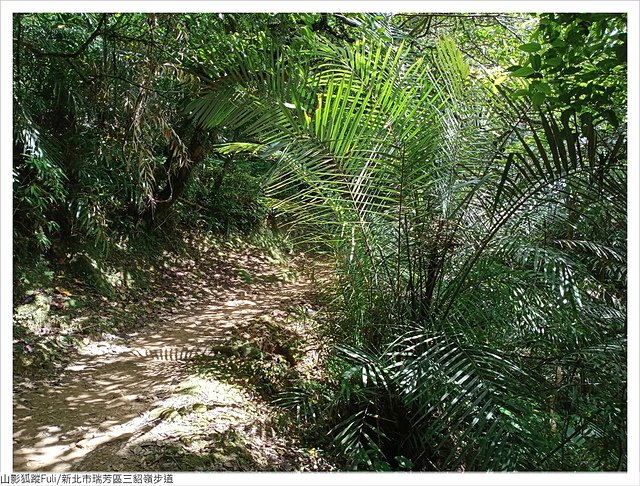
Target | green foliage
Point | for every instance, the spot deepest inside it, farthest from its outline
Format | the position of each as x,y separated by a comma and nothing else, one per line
226,196
578,61
488,40
103,147
479,221
449,209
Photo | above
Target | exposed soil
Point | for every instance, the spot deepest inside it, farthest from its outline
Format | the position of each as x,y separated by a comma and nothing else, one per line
189,388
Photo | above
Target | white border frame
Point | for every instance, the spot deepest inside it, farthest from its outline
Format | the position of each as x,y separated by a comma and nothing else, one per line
632,7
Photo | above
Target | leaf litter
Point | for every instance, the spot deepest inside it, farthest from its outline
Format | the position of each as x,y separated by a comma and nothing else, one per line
188,388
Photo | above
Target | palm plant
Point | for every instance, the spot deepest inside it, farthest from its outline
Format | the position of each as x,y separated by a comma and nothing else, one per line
477,303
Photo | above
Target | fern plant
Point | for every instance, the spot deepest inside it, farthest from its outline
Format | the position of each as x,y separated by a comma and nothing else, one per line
476,301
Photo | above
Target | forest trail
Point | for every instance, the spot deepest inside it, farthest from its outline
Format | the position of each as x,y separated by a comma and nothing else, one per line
138,402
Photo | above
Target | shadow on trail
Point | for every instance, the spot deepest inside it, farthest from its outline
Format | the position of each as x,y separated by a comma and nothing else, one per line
117,404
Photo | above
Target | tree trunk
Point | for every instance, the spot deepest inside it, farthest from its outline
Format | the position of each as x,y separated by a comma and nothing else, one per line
177,179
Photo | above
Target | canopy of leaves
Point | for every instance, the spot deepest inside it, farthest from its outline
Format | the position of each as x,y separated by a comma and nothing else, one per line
578,61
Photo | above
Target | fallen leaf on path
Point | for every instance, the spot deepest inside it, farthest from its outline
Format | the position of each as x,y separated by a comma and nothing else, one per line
62,291
58,304
199,407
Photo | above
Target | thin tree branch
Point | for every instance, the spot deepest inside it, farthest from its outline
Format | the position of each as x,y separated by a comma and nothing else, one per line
66,55
477,16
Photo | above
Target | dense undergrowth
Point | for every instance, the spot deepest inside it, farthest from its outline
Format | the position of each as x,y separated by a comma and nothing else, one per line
58,305
104,274
261,360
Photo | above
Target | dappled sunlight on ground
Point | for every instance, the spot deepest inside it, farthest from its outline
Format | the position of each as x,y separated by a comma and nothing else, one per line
120,403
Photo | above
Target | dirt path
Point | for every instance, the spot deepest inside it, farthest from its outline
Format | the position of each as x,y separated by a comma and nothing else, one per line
138,402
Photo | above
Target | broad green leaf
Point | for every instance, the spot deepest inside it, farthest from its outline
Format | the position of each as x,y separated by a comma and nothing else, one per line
523,71
530,47
536,62
544,88
611,117
553,61
538,99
